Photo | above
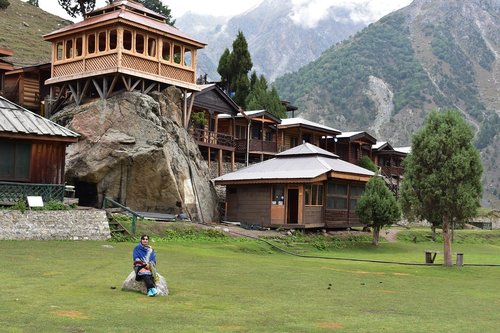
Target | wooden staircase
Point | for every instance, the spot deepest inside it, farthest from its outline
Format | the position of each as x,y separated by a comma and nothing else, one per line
115,227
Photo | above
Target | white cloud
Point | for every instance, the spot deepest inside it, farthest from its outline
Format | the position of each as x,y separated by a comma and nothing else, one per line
309,12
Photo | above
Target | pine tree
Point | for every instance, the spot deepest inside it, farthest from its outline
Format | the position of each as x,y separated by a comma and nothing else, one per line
75,8
377,207
442,180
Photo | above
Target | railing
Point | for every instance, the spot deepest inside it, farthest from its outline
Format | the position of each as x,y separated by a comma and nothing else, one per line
213,138
257,146
107,201
10,193
392,170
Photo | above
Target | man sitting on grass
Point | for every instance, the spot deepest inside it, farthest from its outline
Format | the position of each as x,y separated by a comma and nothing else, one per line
144,264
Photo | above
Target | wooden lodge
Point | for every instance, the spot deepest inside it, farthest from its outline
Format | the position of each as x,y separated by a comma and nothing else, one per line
25,86
5,66
295,131
255,135
123,46
215,138
32,150
350,146
303,187
390,163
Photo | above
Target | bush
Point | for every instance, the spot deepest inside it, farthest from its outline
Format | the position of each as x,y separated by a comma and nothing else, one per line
4,4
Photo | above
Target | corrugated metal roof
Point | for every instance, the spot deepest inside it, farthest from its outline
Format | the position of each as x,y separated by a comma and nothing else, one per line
404,150
16,119
127,16
306,163
348,134
300,121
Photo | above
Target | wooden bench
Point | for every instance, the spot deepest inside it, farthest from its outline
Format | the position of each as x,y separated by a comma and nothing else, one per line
430,256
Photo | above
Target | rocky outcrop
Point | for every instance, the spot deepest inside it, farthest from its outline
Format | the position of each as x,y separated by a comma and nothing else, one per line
134,151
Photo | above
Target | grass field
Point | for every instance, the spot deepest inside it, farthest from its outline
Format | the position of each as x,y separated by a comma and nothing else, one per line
238,285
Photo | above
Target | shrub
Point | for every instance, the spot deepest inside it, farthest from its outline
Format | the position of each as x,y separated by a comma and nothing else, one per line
4,4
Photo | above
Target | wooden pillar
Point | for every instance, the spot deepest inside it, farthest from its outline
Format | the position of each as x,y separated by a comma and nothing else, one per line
220,162
232,161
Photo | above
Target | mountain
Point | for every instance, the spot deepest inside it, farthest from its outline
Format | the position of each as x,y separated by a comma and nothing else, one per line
277,41
388,76
22,26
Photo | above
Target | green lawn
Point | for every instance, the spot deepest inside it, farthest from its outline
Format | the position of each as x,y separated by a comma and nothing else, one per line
245,286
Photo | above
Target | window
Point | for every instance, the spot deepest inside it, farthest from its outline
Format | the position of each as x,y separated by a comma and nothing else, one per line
343,196
336,196
256,131
139,43
165,51
78,46
69,49
278,195
59,50
113,39
188,57
241,132
91,43
269,136
313,194
151,47
177,54
102,41
127,40
293,142
15,161
356,192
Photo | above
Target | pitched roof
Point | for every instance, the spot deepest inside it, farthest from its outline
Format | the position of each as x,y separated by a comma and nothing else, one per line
15,119
126,11
300,122
360,135
302,163
255,114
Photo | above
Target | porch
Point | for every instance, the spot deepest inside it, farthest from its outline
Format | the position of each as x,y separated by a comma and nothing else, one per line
213,139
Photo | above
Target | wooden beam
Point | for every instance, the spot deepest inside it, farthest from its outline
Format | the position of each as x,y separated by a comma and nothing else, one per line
98,88
150,87
126,82
112,86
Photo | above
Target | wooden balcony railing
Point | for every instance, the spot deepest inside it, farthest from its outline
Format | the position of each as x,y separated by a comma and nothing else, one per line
214,139
257,146
392,170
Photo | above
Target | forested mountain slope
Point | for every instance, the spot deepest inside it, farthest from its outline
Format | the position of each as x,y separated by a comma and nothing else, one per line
387,77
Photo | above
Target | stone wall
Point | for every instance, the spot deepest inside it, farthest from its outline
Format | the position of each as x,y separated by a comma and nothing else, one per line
54,225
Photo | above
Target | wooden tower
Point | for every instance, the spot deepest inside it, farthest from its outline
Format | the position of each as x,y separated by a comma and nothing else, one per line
123,46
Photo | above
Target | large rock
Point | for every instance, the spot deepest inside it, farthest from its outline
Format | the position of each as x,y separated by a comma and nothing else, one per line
131,284
133,150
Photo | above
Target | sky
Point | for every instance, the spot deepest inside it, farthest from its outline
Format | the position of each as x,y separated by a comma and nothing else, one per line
307,12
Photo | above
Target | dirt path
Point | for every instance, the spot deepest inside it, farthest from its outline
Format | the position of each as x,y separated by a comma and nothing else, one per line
390,235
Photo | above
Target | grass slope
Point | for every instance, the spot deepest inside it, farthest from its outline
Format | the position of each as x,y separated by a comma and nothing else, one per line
22,28
238,285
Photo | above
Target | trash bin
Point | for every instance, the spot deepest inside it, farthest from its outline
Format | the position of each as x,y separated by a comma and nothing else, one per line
460,259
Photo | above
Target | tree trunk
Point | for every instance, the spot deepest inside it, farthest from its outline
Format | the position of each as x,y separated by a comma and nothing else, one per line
433,235
376,234
447,241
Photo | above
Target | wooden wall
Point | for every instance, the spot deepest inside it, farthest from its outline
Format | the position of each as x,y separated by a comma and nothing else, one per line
313,215
47,162
249,204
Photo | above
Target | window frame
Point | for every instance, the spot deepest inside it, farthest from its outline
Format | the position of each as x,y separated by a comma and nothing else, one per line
20,151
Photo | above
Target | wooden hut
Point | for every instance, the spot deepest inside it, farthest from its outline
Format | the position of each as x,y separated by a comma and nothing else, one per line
32,150
214,138
295,131
390,163
25,86
350,146
303,187
121,46
5,66
255,134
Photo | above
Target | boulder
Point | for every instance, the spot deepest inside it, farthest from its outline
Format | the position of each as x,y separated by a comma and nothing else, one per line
130,284
133,150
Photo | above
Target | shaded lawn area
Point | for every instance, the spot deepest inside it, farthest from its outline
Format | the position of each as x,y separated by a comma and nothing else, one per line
245,286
